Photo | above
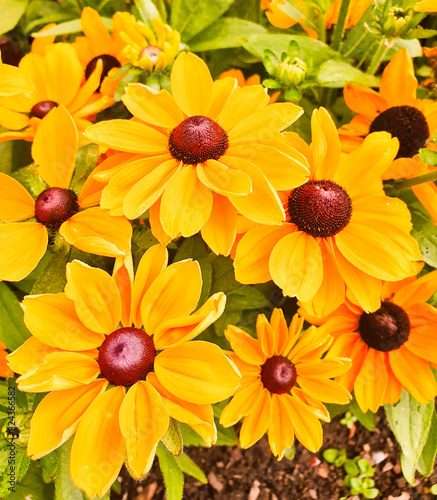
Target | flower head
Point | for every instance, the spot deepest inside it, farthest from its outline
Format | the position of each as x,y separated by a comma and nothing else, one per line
27,223
199,157
392,348
341,231
284,383
136,334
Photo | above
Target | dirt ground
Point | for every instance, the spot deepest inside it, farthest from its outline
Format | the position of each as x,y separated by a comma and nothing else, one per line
254,474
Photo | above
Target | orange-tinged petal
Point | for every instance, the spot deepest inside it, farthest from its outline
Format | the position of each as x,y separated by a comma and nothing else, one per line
52,319
61,412
393,391
176,331
400,69
328,391
296,265
81,101
22,245
95,295
422,340
364,100
318,408
123,275
14,81
99,448
156,108
93,230
128,136
279,326
197,371
371,381
59,371
419,290
220,230
266,336
245,347
241,404
15,201
281,435
257,422
325,145
186,204
169,297
143,422
191,84
96,32
221,92
155,224
29,355
427,195
223,180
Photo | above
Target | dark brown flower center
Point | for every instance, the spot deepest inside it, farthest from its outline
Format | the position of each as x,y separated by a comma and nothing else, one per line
151,52
55,205
320,208
126,356
197,139
406,123
385,329
108,62
41,109
278,374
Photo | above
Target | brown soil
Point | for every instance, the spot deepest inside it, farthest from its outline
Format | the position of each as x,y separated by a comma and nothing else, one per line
254,474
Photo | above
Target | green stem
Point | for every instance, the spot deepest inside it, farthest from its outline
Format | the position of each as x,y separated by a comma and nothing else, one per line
377,57
403,184
321,28
340,25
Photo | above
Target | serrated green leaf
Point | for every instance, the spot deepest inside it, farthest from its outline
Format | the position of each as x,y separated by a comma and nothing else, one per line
410,422
147,10
53,278
18,465
335,74
191,17
49,466
13,332
187,466
429,157
172,439
11,10
32,487
173,476
64,487
425,464
224,34
366,419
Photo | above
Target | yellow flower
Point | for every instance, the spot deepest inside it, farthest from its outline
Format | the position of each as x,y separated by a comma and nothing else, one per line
342,231
5,371
395,109
426,6
391,348
57,208
284,383
135,334
57,77
200,156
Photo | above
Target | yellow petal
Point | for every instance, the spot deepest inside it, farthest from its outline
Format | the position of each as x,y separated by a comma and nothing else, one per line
22,245
242,403
12,120
325,144
98,448
13,81
400,69
257,422
223,180
245,346
54,148
371,381
266,335
29,355
296,265
419,290
197,372
325,390
281,435
61,412
95,295
426,6
191,84
143,422
15,201
96,32
364,100
221,91
279,326
220,230
92,83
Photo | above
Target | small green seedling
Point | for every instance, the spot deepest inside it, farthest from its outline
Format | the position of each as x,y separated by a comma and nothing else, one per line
358,470
348,420
433,489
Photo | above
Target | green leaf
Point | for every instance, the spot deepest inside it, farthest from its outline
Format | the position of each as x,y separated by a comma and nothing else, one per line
173,476
68,27
366,419
190,437
172,439
410,422
408,469
335,74
189,467
226,436
223,278
49,465
53,278
429,157
32,487
424,232
29,178
224,34
64,487
18,465
11,10
147,10
14,155
13,332
86,161
330,455
191,17
425,464
351,467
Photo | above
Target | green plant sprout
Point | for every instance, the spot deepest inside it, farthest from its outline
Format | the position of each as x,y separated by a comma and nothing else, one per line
348,420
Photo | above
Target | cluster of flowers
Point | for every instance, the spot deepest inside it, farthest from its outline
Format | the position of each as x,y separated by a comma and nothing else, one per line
117,353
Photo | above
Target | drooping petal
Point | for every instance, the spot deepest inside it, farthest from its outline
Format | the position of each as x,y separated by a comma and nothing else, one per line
364,100
14,81
99,448
245,346
257,422
15,201
54,148
371,381
95,295
220,230
223,180
197,371
61,412
281,435
53,320
143,422
22,245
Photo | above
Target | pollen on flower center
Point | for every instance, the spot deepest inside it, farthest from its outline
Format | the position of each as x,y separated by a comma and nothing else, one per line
197,139
55,205
41,109
385,329
108,62
278,374
320,208
126,356
408,124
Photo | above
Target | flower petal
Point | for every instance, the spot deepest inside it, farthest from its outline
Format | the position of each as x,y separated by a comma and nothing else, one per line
29,355
257,422
220,230
281,435
245,346
328,391
221,92
14,81
371,381
400,69
364,100
419,290
95,295
224,180
15,201
241,403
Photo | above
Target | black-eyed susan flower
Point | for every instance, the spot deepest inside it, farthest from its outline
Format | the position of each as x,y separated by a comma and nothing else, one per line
391,348
136,337
395,109
341,231
284,383
202,155
58,79
27,223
